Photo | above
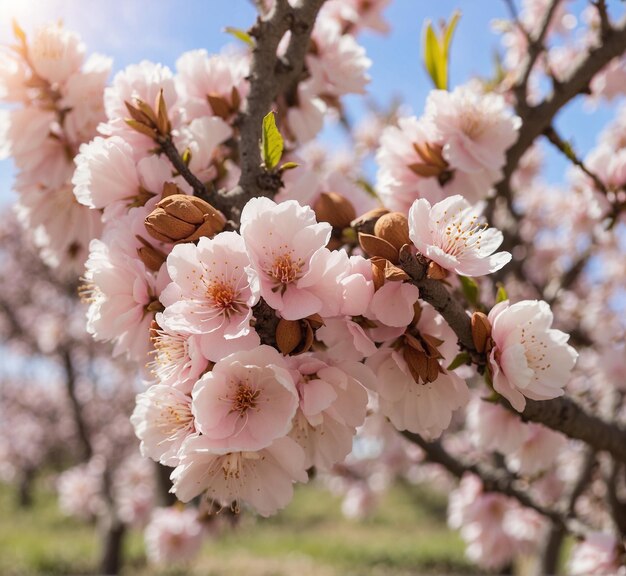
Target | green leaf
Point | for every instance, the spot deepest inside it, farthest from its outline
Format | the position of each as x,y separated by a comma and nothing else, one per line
437,51
288,166
501,294
271,142
240,35
461,359
470,289
367,187
448,31
432,55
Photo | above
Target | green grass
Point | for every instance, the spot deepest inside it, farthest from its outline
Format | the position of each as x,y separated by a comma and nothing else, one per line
406,536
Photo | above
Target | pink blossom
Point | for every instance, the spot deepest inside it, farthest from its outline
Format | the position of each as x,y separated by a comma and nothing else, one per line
202,137
219,75
357,15
451,234
134,490
61,228
163,421
493,427
178,359
80,491
529,358
55,53
494,527
297,275
210,293
599,553
144,81
119,290
262,479
475,129
339,65
333,401
173,535
246,401
105,173
392,304
404,175
83,98
345,339
538,452
425,408
306,120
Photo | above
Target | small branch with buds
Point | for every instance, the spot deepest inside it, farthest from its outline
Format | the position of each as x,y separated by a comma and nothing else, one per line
561,414
269,77
155,124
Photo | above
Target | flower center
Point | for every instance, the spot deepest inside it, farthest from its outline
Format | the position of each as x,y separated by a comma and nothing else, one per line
461,233
284,270
223,296
245,398
231,465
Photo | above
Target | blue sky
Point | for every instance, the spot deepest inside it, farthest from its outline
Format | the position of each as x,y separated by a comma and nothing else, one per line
160,30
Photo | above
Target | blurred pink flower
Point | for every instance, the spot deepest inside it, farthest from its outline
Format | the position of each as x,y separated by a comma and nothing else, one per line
174,535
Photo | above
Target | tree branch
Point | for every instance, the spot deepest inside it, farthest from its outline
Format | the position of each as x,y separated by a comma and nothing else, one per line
535,48
537,118
269,77
493,480
561,414
566,149
199,189
77,409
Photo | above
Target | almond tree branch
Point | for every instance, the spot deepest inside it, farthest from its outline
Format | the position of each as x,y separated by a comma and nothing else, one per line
199,189
566,149
535,48
270,75
537,118
560,414
493,480
77,408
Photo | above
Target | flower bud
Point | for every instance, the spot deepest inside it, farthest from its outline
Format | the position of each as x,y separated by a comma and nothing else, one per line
366,222
436,272
182,218
394,228
374,246
335,209
481,331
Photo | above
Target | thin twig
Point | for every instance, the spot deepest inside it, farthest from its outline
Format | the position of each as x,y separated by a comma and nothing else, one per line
566,149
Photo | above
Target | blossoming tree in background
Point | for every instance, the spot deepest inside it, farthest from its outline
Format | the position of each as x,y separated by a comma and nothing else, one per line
458,313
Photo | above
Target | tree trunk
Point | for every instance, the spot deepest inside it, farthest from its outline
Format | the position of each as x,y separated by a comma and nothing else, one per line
163,484
552,551
112,547
25,497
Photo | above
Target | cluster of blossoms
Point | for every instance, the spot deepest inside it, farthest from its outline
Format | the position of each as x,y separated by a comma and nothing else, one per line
57,94
273,333
457,147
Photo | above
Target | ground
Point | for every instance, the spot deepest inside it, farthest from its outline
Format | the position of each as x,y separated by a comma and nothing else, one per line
406,536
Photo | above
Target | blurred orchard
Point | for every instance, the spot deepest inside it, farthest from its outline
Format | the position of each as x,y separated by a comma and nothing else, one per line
204,303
